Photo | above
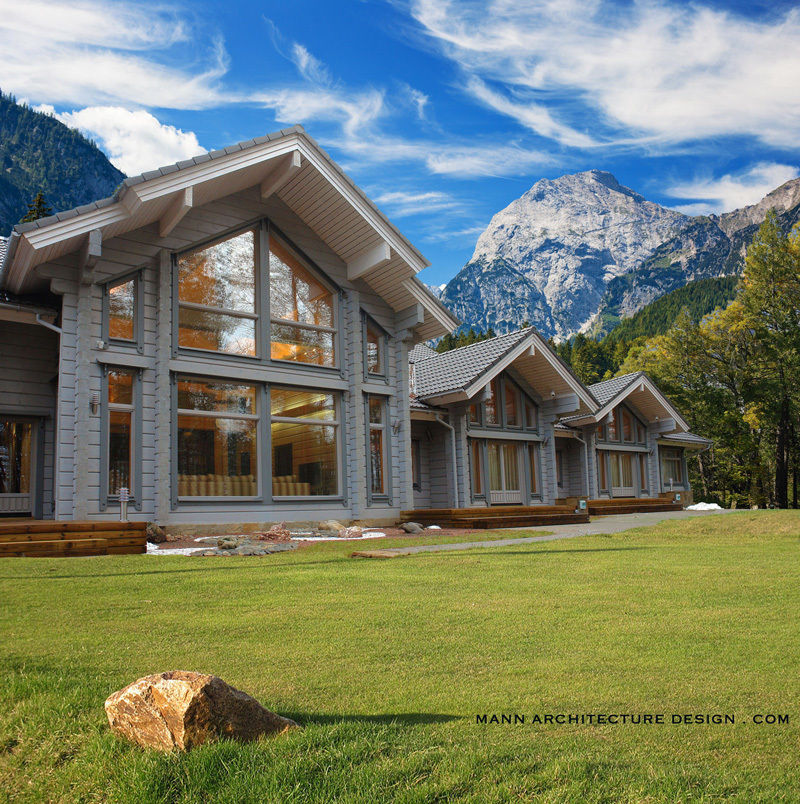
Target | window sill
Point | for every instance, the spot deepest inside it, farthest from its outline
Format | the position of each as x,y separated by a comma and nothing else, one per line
229,499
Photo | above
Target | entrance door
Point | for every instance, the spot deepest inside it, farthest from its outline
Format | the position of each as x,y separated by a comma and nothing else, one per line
504,475
17,466
621,474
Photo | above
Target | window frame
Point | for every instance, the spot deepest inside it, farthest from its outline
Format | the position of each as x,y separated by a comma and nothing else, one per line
385,497
367,322
135,492
678,456
618,413
523,400
265,229
137,342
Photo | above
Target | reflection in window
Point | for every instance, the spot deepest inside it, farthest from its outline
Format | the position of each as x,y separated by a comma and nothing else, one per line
532,464
642,472
217,434
120,430
490,405
15,456
376,407
476,467
512,408
217,296
302,311
474,414
374,349
671,466
627,426
304,429
602,477
530,415
122,310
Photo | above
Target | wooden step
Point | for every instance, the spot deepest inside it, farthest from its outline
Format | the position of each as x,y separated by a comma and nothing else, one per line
83,534
51,526
520,521
56,547
622,507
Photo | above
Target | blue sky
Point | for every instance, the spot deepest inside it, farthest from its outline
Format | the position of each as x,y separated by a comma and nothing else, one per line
443,112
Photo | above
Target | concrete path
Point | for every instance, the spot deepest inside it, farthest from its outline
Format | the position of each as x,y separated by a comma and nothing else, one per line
601,524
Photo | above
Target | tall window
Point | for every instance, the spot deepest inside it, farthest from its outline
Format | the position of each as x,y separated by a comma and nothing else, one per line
217,439
122,312
476,466
671,466
530,415
416,464
374,343
511,404
602,477
15,456
491,405
642,472
474,414
120,430
376,409
217,296
532,465
612,433
305,456
627,426
302,325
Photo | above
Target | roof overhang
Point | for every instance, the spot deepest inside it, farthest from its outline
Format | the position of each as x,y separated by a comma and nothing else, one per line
26,313
645,396
288,164
696,443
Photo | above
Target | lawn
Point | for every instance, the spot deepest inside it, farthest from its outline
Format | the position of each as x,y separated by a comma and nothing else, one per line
388,663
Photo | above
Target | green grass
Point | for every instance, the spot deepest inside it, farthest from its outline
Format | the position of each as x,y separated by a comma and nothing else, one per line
387,663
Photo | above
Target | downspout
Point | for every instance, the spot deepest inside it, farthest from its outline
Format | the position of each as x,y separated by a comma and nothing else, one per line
453,455
48,325
57,411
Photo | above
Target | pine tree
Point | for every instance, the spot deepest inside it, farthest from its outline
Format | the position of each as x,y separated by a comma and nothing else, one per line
37,209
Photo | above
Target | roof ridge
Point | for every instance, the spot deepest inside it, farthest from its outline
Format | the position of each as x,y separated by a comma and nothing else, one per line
484,341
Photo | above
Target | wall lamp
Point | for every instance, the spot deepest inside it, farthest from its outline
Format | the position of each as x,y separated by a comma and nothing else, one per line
94,403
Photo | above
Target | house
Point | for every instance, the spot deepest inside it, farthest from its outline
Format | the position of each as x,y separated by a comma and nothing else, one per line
505,422
225,340
240,339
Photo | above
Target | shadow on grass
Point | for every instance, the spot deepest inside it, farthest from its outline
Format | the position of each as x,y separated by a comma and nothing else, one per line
400,718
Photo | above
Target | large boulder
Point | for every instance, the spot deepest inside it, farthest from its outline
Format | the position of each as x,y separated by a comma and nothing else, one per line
180,709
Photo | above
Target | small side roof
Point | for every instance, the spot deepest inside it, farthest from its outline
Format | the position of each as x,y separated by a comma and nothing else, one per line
288,163
461,373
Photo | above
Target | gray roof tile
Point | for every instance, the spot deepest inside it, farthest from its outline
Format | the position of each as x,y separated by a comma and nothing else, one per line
605,391
459,368
686,437
421,352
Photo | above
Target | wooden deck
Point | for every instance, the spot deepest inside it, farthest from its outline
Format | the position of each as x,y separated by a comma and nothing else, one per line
51,539
505,516
632,505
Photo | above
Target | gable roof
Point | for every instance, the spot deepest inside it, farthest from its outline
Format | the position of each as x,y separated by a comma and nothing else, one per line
288,163
608,389
421,351
461,373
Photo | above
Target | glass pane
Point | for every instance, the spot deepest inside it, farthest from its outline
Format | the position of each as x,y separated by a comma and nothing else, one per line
121,310
601,470
374,341
476,468
216,396
119,450
601,432
530,415
474,415
511,466
490,406
302,345
295,294
512,415
627,426
15,457
495,478
615,474
120,387
201,329
532,464
376,409
304,459
302,404
642,472
611,429
640,433
627,470
376,461
216,457
222,275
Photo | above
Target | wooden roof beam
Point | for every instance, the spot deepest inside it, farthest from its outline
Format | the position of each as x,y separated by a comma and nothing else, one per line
278,176
176,212
368,260
90,253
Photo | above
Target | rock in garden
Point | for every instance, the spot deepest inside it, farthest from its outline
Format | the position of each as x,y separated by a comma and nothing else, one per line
411,527
331,525
180,709
277,533
353,532
155,533
228,543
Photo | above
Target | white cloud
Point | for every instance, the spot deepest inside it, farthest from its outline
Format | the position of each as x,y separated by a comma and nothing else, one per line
403,204
135,141
732,191
658,72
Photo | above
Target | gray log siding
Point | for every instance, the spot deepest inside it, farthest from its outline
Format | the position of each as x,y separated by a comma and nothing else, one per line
419,432
29,361
81,444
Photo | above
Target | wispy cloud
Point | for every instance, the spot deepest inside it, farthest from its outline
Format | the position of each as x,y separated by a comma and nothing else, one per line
668,73
135,141
402,204
733,190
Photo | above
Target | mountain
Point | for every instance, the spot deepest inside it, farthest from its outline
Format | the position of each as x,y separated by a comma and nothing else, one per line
581,252
38,152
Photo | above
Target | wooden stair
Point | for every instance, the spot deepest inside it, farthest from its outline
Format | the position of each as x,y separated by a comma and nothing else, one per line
505,516
50,538
632,505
